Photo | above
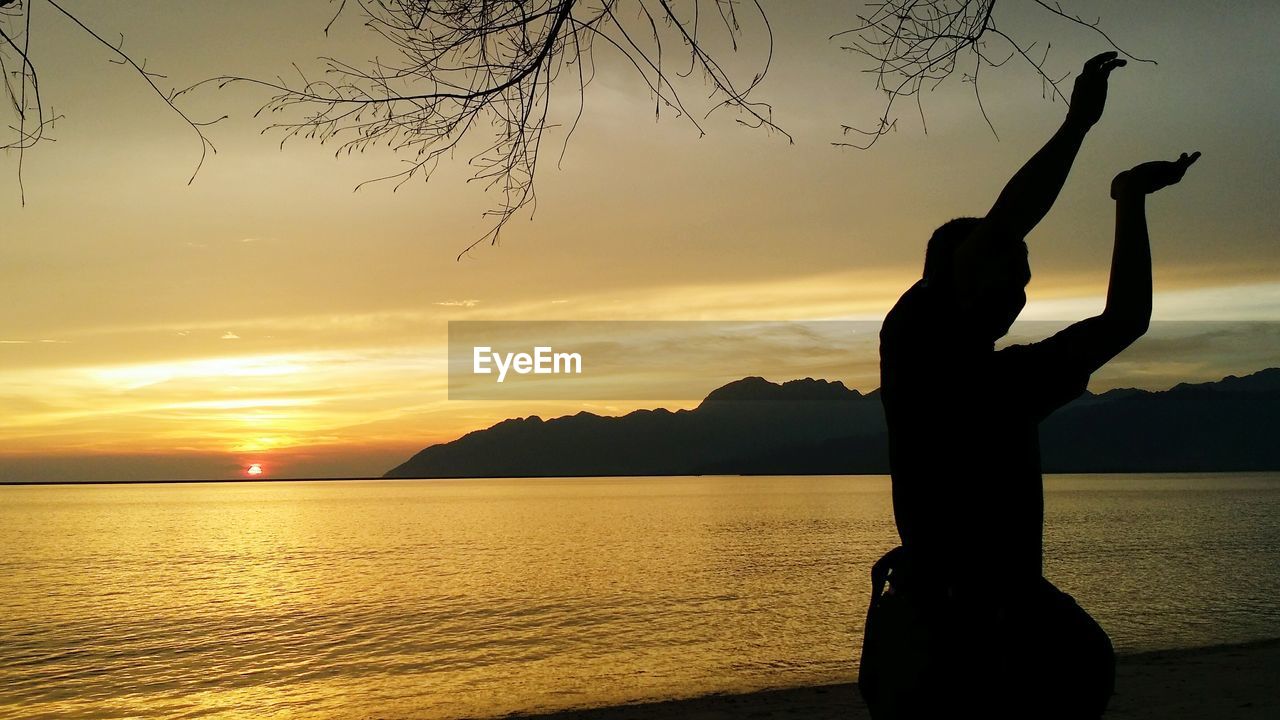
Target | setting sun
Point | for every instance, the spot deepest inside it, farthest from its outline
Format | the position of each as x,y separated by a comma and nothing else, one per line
254,470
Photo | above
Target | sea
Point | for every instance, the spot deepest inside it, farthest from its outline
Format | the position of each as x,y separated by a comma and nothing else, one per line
450,599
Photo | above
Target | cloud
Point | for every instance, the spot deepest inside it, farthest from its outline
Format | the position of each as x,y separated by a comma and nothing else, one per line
1247,302
458,303
1191,351
44,341
230,336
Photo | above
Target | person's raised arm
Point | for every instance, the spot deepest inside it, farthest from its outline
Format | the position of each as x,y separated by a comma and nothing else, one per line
1027,197
1054,371
1128,310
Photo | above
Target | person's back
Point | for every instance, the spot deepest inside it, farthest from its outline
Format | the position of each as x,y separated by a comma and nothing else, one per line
963,440
968,622
968,502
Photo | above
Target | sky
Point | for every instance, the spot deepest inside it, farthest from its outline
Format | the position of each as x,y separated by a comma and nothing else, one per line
266,313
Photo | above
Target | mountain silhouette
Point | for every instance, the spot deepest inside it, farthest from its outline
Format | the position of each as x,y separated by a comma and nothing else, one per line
1225,426
753,426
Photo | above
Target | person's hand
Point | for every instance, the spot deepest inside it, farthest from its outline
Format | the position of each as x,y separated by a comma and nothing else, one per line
1090,92
1149,177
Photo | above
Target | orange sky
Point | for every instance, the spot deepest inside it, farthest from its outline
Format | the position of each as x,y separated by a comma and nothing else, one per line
266,313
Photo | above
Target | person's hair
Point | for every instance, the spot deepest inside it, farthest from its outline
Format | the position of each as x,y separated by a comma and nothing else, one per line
939,254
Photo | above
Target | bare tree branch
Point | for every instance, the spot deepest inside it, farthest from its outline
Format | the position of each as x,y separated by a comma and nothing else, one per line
22,85
466,68
27,78
915,45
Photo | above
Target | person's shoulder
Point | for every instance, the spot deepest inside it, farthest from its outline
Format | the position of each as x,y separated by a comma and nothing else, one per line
1049,348
916,306
1049,361
1013,356
918,299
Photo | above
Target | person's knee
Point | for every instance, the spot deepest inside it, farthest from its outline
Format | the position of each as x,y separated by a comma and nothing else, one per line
1086,662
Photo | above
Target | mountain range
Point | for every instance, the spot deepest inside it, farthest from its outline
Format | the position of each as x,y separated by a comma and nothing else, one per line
755,427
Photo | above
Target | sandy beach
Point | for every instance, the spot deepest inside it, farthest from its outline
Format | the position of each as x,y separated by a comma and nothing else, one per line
1224,682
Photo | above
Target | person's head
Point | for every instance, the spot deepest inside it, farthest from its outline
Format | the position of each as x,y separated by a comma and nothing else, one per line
998,296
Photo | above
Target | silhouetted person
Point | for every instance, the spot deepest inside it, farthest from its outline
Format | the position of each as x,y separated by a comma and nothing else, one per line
969,625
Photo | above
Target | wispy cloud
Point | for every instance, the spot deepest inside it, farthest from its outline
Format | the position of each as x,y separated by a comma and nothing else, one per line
1256,301
380,376
41,341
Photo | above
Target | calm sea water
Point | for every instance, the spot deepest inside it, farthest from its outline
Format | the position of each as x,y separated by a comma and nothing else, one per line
449,599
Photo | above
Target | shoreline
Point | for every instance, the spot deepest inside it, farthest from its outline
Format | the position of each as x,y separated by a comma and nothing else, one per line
215,481
1224,682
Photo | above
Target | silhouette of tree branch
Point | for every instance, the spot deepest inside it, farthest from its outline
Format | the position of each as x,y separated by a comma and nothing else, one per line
466,68
22,85
915,45
27,78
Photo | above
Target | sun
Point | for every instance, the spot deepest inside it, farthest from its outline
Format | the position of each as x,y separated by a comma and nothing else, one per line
254,470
